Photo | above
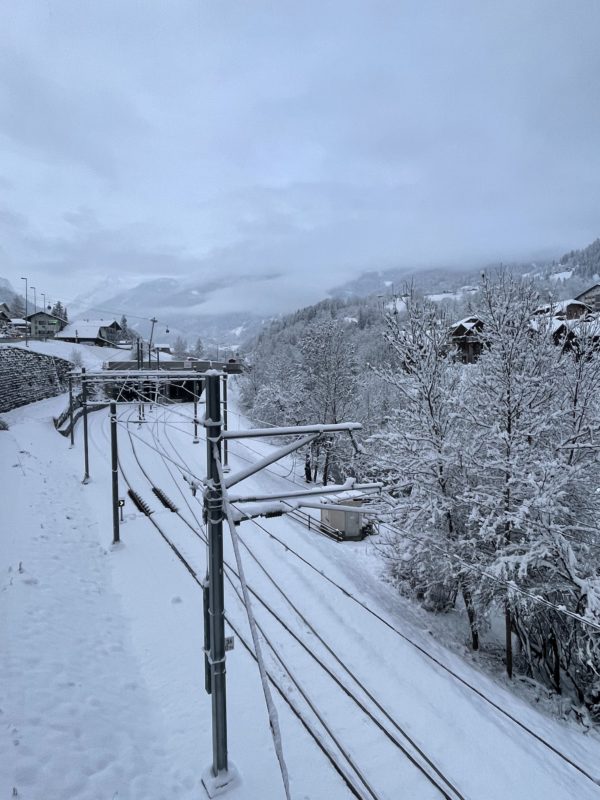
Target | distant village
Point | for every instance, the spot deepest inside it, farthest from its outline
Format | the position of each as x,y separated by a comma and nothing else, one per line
568,321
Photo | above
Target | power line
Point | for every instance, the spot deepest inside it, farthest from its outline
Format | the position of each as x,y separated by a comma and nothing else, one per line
506,583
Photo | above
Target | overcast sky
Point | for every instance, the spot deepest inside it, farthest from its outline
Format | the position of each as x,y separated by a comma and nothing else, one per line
299,141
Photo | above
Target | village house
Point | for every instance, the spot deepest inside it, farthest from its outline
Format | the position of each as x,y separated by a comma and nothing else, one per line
99,332
45,325
20,326
565,309
591,297
4,314
465,335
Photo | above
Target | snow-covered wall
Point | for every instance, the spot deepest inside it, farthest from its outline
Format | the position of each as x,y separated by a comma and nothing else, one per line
27,376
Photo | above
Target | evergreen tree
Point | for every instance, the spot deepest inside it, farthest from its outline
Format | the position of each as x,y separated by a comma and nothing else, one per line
17,307
58,310
198,350
180,347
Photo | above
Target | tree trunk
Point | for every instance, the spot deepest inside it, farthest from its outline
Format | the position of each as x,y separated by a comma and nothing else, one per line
556,662
508,631
307,467
468,598
326,465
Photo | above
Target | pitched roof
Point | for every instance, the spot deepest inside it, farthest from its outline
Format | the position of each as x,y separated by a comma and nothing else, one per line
85,329
46,314
587,291
561,306
468,323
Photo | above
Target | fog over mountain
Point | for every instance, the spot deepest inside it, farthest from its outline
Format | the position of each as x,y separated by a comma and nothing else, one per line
263,154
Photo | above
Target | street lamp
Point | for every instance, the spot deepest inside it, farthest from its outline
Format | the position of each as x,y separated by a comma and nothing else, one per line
26,294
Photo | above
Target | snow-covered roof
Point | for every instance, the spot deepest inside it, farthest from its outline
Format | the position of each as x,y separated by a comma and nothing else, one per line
45,314
469,323
85,329
560,306
585,327
552,323
587,291
18,321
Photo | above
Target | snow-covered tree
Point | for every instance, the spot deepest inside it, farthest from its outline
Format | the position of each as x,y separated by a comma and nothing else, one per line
180,347
532,472
418,452
17,307
58,310
329,376
198,349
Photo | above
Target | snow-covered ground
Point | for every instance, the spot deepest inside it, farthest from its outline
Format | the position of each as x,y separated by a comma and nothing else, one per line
102,690
92,357
561,276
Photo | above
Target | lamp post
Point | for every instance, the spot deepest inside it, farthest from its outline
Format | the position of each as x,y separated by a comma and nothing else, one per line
26,295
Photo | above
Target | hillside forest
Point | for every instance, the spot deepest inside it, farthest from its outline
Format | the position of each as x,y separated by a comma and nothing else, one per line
491,469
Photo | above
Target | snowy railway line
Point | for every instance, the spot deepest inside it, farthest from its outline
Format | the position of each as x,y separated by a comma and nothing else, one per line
356,781
442,784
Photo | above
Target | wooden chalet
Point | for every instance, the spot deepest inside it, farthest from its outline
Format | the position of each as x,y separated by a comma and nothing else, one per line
99,332
564,309
591,297
466,337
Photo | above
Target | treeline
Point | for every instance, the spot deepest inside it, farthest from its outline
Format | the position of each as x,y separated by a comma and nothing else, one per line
492,470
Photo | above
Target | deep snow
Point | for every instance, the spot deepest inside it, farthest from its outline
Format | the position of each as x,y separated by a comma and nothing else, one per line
102,667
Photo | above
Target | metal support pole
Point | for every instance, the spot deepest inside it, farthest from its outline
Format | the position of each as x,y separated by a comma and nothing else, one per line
225,442
153,321
214,520
206,603
26,312
115,470
196,440
84,399
71,420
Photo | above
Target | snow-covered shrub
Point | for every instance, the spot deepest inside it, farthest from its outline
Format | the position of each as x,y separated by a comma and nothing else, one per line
76,359
3,424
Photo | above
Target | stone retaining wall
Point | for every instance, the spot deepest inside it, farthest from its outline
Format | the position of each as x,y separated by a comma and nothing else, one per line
26,376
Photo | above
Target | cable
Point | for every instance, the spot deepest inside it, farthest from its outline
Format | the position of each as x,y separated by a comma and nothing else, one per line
429,656
426,653
272,711
331,758
229,572
507,584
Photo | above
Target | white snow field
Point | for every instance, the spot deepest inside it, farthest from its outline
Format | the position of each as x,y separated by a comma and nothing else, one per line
91,357
102,669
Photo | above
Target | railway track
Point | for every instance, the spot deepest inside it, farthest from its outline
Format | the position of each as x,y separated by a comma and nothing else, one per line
398,736
355,780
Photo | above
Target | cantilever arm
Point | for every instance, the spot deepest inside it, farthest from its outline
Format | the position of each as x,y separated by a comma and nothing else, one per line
256,432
